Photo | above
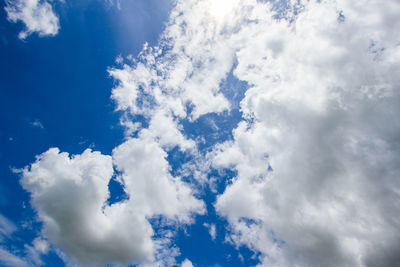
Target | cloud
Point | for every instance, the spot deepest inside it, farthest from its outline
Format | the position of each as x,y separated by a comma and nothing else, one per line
8,257
317,154
70,195
182,74
186,263
37,123
6,228
38,16
11,260
146,176
211,230
41,245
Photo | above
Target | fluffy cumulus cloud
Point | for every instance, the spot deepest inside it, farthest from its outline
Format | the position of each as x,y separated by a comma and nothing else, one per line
70,195
316,154
38,16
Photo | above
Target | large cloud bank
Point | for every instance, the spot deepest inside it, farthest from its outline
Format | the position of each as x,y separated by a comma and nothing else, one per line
317,157
316,154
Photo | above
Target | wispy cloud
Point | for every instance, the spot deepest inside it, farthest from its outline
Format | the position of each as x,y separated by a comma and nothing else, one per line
211,230
6,227
31,256
37,123
11,260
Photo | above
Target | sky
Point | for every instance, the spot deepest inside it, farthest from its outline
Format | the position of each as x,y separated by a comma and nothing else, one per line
199,133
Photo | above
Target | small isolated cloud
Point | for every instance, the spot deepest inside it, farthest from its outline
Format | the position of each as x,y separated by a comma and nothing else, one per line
38,16
211,230
6,228
37,123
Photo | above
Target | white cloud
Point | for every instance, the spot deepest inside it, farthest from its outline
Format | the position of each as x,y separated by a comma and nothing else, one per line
37,123
186,263
70,197
8,257
185,69
321,111
41,245
11,260
211,230
146,176
38,248
6,228
38,16
312,77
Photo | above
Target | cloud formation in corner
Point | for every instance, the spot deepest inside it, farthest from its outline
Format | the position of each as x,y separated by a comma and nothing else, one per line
37,16
30,256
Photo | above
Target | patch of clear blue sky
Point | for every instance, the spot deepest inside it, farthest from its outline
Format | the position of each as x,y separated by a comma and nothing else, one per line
62,82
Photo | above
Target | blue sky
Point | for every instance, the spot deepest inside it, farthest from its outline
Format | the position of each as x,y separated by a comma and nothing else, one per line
199,133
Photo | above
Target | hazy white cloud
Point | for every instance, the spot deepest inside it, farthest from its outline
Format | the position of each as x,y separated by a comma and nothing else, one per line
34,252
38,16
11,260
41,245
6,228
31,256
211,230
37,123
